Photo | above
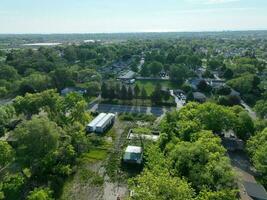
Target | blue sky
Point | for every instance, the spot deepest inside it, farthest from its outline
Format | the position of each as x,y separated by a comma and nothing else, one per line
91,16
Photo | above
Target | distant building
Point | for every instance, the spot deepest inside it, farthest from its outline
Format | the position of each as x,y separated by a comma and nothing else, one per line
128,76
194,82
200,97
133,155
68,90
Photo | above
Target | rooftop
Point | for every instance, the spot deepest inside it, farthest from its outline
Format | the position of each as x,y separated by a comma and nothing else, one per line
133,149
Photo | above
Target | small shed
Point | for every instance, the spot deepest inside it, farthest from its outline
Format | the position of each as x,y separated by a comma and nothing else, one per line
133,155
255,191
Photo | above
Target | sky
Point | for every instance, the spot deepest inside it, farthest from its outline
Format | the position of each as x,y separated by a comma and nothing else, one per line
109,16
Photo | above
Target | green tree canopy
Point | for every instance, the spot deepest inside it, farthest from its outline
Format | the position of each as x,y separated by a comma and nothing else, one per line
35,139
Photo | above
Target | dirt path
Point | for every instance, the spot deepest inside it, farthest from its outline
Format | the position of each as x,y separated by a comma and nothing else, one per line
112,190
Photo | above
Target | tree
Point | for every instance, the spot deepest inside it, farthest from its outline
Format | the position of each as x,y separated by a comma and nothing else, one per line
257,148
136,91
143,93
93,88
244,127
104,90
224,90
261,108
160,186
156,95
8,73
155,67
243,84
204,87
145,71
70,54
214,64
124,92
36,138
129,93
178,73
211,116
13,186
36,82
6,115
193,61
203,162
228,74
6,153
32,104
40,194
218,195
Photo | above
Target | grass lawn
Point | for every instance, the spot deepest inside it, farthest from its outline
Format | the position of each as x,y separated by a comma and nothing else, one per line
150,85
95,155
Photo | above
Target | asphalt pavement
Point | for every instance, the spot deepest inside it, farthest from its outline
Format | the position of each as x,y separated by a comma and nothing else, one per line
157,111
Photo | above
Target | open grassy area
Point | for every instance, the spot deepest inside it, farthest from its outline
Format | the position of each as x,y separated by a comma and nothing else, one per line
150,85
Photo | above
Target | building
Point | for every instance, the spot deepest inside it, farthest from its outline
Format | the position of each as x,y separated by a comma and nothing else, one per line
133,155
128,76
101,123
194,82
255,191
154,136
105,123
92,125
200,97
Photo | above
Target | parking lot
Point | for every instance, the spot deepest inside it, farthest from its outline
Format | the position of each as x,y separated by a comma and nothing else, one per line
157,111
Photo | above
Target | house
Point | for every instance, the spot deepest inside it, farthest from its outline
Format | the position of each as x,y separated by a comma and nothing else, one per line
194,82
101,123
255,191
200,97
178,92
68,90
127,76
133,155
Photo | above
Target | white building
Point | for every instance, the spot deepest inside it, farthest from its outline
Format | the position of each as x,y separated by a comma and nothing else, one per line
92,125
133,154
105,123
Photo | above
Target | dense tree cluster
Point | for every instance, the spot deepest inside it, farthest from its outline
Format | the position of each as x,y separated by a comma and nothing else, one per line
189,162
44,146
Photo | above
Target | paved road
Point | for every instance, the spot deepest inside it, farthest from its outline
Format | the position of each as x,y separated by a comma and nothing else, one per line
250,111
157,111
5,101
242,166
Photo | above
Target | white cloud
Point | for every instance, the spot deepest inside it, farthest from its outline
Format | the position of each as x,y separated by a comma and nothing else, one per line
212,1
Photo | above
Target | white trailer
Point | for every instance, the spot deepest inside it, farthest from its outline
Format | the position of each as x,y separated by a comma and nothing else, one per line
92,125
105,123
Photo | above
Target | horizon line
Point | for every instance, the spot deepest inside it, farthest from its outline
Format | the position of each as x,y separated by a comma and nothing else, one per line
129,32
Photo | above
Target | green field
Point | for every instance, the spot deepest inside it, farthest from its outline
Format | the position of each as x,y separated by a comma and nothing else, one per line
150,85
